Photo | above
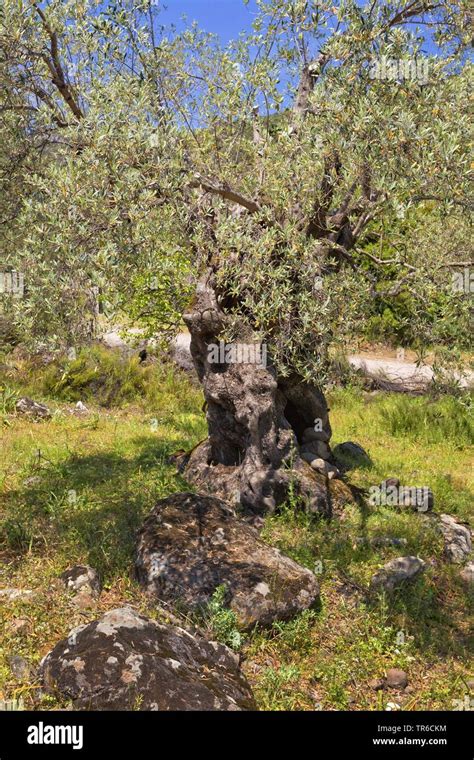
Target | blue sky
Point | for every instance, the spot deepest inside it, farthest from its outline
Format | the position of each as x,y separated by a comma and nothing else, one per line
224,17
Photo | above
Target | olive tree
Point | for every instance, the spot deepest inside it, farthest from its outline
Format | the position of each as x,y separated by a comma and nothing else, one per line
273,173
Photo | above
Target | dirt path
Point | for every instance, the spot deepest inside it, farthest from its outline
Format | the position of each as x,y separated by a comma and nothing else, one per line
403,374
398,373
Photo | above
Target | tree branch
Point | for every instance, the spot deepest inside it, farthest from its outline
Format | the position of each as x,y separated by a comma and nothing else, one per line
225,192
53,62
465,204
309,74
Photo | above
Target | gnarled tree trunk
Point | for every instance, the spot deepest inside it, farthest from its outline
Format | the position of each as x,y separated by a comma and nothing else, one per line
256,423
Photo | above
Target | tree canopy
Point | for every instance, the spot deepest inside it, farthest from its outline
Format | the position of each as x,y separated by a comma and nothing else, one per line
318,165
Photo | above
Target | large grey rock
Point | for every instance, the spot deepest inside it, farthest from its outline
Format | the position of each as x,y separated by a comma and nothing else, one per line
457,539
113,339
32,408
126,661
396,573
190,544
181,352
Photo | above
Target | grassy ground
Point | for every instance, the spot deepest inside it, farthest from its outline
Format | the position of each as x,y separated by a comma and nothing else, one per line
74,490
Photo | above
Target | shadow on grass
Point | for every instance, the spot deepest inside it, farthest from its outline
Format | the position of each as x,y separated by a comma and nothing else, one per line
88,508
437,611
434,610
114,493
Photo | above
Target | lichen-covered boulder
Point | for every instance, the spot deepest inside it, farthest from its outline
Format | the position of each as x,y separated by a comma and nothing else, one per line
190,544
125,661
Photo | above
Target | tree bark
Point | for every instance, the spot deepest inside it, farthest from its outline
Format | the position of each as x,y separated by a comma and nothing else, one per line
256,421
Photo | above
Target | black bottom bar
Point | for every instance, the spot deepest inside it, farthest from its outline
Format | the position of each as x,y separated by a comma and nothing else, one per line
154,735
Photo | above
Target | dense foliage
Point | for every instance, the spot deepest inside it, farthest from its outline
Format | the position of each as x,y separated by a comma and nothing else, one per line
328,201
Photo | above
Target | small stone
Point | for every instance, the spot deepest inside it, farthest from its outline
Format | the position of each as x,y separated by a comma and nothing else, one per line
399,541
82,579
396,573
457,539
19,667
396,679
319,449
11,594
392,706
467,574
322,449
83,600
388,541
80,408
32,482
19,625
320,465
376,684
32,408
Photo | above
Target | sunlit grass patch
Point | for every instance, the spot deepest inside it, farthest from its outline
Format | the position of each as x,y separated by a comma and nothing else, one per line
75,489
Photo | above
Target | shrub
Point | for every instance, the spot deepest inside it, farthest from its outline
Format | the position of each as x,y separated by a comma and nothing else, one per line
221,621
99,374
